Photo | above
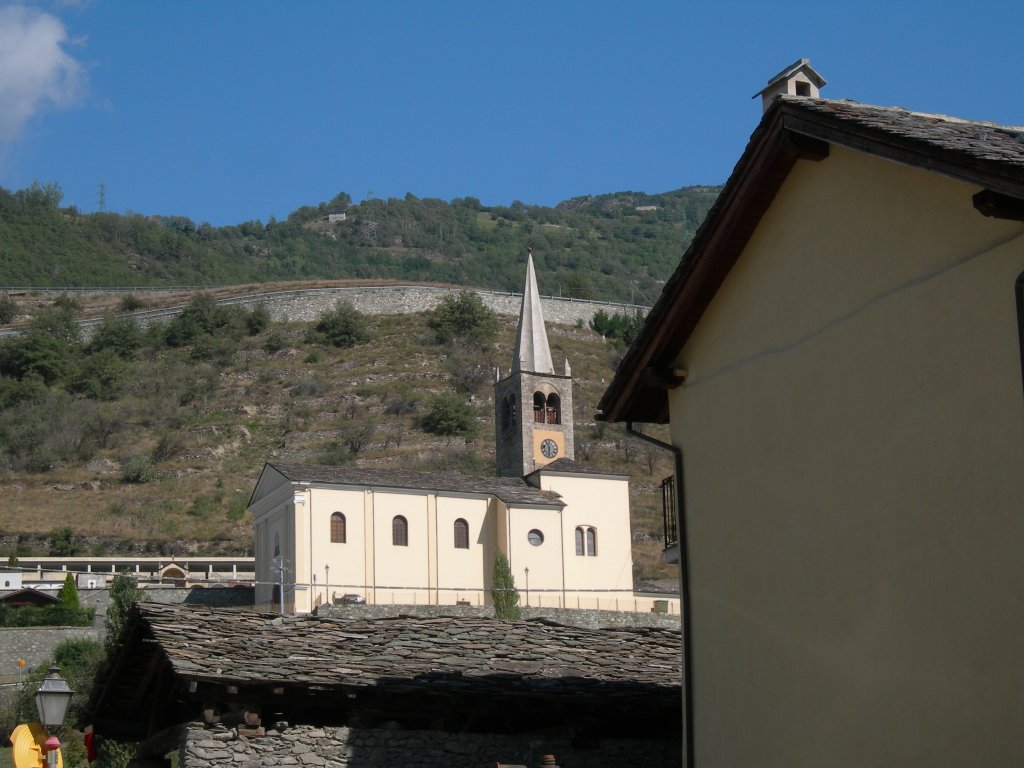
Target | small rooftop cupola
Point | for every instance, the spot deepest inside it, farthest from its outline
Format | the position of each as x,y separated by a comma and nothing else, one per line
798,79
532,352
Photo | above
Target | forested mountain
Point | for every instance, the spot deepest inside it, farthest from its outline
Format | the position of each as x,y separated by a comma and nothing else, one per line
617,247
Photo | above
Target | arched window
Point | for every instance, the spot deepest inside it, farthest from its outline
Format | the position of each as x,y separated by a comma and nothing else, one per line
506,413
579,542
461,534
554,409
338,532
400,531
591,542
538,407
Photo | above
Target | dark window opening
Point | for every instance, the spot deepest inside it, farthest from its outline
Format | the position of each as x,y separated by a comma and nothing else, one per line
591,542
803,89
461,534
400,532
338,532
579,542
547,410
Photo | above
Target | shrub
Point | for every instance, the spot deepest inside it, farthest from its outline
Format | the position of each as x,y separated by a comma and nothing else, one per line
257,319
448,415
275,342
8,309
131,303
137,469
98,376
463,319
343,326
62,543
122,335
124,592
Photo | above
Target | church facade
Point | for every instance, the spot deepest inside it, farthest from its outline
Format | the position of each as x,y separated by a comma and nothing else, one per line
330,534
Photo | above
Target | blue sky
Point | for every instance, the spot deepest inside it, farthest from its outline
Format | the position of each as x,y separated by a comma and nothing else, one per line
230,111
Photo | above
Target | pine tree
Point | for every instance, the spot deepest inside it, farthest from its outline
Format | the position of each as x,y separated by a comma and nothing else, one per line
503,591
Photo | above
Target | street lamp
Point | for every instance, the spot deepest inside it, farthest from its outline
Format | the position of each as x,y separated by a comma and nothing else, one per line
527,570
52,698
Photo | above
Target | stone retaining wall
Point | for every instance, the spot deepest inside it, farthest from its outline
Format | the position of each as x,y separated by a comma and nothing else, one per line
341,747
569,617
35,644
307,305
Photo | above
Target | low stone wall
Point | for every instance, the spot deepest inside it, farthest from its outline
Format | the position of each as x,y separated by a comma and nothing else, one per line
388,748
569,617
36,644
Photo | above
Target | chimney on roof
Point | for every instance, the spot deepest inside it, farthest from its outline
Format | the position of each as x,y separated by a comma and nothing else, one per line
798,79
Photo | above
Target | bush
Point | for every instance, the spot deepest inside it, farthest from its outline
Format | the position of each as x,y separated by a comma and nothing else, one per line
98,376
463,319
132,303
343,326
46,616
121,335
203,316
124,593
449,415
257,319
137,469
63,544
275,342
8,309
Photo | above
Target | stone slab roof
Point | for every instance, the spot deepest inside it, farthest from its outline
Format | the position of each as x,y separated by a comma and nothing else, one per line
468,652
975,139
175,660
508,490
570,466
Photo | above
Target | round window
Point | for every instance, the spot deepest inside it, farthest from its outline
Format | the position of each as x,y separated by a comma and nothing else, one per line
535,537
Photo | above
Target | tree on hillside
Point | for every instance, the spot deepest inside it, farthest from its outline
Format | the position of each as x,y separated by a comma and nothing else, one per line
62,543
448,415
343,326
463,319
503,590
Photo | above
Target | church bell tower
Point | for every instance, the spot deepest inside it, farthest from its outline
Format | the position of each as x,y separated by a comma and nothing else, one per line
533,404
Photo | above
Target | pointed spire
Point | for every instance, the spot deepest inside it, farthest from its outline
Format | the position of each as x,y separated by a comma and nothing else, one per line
532,351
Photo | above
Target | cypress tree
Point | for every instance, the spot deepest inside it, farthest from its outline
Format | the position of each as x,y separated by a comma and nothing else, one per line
503,590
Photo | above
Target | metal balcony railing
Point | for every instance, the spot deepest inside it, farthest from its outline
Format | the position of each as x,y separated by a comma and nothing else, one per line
668,505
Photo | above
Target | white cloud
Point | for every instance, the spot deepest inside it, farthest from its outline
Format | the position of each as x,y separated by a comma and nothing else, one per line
35,71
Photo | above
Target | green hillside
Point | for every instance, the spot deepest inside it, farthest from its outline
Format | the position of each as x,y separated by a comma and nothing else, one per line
591,247
151,440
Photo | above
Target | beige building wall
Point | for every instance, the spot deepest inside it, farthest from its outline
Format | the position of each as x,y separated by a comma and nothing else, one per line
336,569
464,574
402,574
601,503
853,433
546,561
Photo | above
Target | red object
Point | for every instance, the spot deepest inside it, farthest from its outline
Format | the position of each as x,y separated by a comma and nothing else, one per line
90,746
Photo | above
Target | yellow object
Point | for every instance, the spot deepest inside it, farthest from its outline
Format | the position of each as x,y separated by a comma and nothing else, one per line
28,750
21,662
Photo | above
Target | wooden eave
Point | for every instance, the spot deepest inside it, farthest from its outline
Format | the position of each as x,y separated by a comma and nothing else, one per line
787,133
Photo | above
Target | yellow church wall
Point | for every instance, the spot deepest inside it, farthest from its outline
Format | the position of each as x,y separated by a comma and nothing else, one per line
545,561
461,573
851,427
401,574
346,561
603,581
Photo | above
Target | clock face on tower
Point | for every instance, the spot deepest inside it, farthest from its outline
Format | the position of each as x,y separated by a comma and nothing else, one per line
549,448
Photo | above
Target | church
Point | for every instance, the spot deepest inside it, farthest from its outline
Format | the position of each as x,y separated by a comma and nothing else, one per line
327,534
